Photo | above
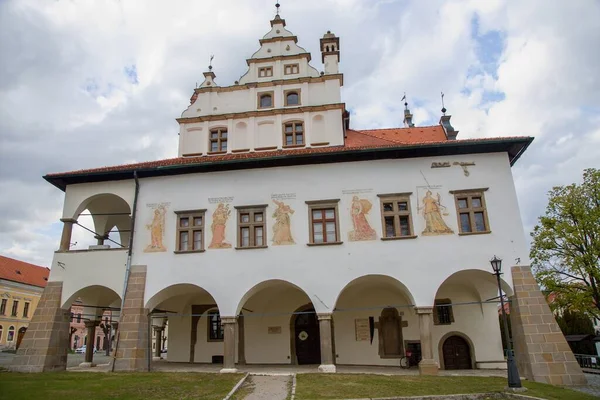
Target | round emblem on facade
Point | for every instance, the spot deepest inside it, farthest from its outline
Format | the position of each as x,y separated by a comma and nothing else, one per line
303,335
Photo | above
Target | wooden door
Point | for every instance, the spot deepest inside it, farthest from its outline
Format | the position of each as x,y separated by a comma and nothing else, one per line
456,353
307,339
20,335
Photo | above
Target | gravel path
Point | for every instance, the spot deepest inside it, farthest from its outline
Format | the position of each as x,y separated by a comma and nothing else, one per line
269,387
593,387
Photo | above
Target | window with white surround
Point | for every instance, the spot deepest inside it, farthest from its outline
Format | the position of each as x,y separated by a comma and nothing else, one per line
252,229
324,222
265,72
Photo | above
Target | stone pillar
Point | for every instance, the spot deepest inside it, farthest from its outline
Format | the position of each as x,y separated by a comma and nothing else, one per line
157,340
427,366
50,328
241,341
65,239
100,239
131,349
228,324
541,351
90,326
326,334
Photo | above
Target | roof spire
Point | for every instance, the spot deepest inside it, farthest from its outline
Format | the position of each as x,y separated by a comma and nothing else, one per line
210,62
407,115
277,5
443,107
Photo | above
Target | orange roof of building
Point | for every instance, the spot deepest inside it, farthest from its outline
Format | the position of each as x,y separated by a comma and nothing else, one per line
22,272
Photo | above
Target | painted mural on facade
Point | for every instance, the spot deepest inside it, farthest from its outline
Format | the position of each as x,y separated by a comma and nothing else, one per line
359,210
433,211
282,229
219,223
157,229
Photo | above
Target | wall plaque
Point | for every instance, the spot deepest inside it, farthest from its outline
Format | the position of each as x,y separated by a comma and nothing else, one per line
274,330
283,196
361,326
217,200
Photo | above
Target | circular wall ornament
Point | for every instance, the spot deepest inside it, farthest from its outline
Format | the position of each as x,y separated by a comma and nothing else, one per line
278,31
303,335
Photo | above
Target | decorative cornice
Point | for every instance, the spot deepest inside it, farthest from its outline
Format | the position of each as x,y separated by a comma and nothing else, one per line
424,310
276,82
279,58
278,39
262,113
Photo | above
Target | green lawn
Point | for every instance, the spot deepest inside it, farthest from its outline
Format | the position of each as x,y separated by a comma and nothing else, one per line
341,386
121,386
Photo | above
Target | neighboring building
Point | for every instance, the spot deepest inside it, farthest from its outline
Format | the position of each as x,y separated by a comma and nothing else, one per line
21,285
79,332
280,235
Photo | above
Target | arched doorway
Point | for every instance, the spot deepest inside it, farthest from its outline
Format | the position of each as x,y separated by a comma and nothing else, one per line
20,336
307,342
456,353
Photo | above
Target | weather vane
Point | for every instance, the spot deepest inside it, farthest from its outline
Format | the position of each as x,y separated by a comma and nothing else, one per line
210,62
443,107
277,5
405,102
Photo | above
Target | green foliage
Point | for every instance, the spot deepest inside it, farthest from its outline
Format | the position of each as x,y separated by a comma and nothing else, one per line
566,246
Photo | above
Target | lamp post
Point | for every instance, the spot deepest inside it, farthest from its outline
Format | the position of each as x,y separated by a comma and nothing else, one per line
514,381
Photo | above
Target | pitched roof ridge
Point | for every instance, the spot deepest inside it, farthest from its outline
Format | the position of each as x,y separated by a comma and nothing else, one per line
401,127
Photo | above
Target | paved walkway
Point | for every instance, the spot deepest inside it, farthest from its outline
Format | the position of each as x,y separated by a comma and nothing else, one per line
268,387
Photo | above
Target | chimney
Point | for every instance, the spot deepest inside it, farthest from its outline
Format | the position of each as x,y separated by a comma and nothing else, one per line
450,132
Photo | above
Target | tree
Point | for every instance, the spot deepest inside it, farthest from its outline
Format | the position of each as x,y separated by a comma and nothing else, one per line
565,251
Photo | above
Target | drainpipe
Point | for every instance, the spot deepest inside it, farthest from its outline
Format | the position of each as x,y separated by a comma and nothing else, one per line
128,264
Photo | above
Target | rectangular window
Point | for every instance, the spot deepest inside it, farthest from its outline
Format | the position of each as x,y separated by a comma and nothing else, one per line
291,69
293,134
265,99
218,140
26,310
396,216
471,211
190,231
251,226
265,72
14,308
3,307
324,222
78,317
215,328
443,314
291,97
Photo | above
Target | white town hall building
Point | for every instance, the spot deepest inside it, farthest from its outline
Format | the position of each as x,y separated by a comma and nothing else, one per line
280,235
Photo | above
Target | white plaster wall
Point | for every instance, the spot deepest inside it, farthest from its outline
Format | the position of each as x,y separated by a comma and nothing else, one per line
76,195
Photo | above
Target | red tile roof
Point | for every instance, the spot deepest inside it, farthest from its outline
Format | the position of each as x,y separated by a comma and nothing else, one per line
22,272
356,140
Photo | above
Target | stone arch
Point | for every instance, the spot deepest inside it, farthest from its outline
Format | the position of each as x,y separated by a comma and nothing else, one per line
375,279
271,283
485,282
94,295
462,336
178,290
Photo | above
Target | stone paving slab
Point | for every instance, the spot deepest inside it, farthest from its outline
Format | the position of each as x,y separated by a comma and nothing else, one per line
268,387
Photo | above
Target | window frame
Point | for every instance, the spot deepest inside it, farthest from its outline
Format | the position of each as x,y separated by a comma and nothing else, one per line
314,205
260,95
190,229
11,329
251,225
26,310
268,72
437,305
468,194
291,66
209,337
294,144
219,130
3,305
395,198
15,308
298,92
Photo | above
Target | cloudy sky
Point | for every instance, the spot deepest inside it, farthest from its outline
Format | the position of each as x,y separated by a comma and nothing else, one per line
94,83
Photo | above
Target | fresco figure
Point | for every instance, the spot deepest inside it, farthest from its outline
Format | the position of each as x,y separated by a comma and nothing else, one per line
362,229
157,230
282,230
432,212
219,222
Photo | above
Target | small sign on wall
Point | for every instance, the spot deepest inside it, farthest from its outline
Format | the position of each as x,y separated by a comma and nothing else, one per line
274,330
361,326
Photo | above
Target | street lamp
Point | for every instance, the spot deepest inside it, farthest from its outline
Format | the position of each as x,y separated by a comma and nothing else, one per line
514,381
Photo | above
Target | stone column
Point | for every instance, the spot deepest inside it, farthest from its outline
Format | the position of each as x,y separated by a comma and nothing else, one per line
541,351
90,327
101,239
157,340
228,344
65,239
131,349
50,328
241,341
427,366
326,334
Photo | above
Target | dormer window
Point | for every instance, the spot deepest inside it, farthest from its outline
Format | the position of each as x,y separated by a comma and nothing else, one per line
218,140
292,98
265,72
265,100
291,69
293,134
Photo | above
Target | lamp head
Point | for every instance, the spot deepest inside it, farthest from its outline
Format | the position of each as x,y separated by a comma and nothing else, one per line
496,264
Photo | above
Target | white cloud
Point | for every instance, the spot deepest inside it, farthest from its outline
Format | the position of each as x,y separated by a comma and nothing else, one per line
68,101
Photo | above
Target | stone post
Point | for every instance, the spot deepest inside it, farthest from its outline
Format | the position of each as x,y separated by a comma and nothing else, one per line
427,366
101,239
241,341
228,324
46,342
65,239
131,349
90,326
326,334
541,351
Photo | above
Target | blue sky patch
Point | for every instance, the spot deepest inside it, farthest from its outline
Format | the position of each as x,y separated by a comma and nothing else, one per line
131,73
